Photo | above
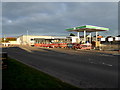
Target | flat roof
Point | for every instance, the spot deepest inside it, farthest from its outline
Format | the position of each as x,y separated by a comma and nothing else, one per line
88,28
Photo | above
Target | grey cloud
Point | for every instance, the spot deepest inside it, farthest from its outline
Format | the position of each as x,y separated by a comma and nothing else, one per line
60,0
52,18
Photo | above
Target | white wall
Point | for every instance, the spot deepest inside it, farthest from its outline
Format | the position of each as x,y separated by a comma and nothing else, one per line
74,39
14,43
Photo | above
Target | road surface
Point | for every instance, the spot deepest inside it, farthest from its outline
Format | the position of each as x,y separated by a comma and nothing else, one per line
79,68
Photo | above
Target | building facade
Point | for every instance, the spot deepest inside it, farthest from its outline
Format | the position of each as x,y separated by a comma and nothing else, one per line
31,40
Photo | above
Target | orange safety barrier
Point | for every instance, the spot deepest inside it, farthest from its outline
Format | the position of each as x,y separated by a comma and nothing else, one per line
36,45
86,46
54,45
76,46
65,45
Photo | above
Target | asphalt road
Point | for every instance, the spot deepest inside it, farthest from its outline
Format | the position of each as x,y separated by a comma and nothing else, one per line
79,68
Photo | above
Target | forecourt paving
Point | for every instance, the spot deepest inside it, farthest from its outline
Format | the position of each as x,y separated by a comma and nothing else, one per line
79,68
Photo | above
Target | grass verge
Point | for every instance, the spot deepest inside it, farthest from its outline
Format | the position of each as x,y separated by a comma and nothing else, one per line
18,75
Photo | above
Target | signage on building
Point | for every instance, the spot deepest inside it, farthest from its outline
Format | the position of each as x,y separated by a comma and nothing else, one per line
102,39
74,39
117,38
110,39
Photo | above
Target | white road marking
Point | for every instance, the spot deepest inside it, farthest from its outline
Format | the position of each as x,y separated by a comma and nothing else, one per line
99,63
107,64
93,62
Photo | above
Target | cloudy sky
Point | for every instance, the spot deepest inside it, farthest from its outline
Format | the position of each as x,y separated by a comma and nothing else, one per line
52,18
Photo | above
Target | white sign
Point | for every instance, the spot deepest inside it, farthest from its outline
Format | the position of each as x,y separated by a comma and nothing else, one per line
74,39
102,39
110,39
117,38
4,39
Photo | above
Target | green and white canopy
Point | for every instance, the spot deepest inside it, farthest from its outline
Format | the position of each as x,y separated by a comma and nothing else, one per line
87,28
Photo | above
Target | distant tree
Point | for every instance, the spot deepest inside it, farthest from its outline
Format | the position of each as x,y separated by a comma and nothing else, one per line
11,38
7,39
71,34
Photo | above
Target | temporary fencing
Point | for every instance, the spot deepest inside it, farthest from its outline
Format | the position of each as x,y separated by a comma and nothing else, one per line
64,45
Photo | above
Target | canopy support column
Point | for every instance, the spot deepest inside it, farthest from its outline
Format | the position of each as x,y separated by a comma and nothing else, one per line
78,34
84,36
96,39
96,36
78,37
90,38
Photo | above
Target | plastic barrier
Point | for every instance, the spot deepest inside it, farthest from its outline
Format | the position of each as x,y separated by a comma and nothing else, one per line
86,46
65,45
36,45
69,45
76,46
55,45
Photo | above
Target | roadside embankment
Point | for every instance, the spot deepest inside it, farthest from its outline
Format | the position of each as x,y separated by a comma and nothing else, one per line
18,75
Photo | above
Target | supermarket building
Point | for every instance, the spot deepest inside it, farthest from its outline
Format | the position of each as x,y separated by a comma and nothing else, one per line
31,39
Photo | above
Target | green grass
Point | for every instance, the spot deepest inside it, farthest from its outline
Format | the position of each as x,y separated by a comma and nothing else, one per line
18,75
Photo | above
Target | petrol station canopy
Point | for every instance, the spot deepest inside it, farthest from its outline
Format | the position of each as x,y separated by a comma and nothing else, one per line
87,28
